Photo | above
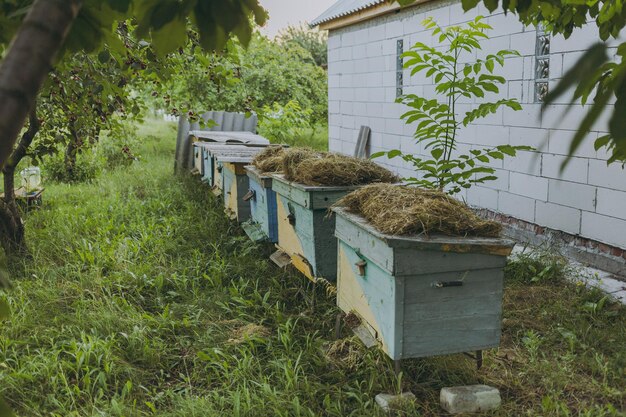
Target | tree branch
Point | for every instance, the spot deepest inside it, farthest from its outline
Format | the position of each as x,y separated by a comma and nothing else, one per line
27,63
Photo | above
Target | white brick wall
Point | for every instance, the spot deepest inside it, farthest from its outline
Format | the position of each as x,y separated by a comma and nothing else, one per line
587,198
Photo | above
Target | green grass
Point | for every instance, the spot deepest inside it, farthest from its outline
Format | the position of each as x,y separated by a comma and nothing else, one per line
143,299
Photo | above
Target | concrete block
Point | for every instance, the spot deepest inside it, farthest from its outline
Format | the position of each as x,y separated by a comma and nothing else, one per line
558,217
573,195
346,108
527,117
525,162
345,53
491,135
390,47
575,171
470,399
483,197
524,43
560,141
537,138
359,51
611,176
393,30
604,229
611,203
529,186
374,49
390,402
517,206
375,33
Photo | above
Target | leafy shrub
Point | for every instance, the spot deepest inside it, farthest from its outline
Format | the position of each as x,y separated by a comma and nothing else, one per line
458,77
87,168
536,267
285,124
119,149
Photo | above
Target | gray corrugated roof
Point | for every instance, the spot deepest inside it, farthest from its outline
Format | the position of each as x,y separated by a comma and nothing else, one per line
344,8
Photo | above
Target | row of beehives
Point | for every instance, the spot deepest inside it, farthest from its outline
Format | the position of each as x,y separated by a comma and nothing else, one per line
415,296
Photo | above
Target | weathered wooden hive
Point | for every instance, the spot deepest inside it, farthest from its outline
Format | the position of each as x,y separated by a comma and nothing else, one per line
235,183
420,296
263,223
305,228
198,158
205,140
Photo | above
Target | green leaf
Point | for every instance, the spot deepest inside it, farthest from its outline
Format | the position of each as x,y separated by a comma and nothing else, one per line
170,37
437,153
601,142
469,4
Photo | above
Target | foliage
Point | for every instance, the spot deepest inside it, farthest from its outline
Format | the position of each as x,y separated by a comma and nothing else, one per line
244,80
120,148
594,74
438,122
144,299
312,40
163,23
537,267
285,124
87,167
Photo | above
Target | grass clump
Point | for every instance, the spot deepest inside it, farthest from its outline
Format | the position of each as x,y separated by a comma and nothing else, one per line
402,210
539,266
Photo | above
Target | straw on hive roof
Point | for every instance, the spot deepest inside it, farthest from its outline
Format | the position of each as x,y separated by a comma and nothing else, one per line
339,170
311,167
270,159
402,210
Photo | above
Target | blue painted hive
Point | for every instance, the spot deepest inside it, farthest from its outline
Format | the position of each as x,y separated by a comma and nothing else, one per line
420,296
263,223
306,228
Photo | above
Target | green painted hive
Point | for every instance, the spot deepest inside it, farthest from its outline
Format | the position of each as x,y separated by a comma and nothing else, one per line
420,296
306,228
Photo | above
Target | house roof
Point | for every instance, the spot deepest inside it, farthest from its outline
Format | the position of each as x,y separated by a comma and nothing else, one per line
345,8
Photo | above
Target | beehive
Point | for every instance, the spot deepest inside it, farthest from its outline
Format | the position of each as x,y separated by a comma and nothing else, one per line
235,185
420,296
263,224
198,165
305,228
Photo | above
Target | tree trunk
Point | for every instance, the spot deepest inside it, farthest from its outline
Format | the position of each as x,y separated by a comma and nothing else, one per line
12,236
28,61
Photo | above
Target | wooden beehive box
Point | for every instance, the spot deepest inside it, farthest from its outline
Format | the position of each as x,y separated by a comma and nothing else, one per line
306,228
421,296
213,169
235,185
198,165
263,223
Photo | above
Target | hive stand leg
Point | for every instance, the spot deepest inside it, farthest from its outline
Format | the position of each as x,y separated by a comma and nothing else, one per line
479,359
397,366
338,325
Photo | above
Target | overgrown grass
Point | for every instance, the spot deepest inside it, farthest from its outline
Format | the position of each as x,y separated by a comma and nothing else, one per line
143,299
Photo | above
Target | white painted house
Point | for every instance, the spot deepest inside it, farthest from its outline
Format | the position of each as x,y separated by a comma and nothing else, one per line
583,208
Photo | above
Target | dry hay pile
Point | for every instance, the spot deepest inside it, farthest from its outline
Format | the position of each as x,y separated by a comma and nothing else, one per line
327,169
311,167
270,159
401,210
